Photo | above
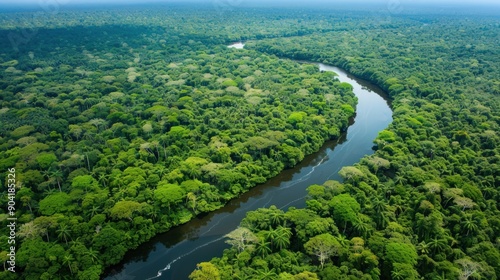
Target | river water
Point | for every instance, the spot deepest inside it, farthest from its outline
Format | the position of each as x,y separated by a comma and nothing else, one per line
174,254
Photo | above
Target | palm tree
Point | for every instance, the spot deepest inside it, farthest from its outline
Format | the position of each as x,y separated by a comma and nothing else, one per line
263,223
63,232
95,210
362,228
437,244
470,224
266,274
276,218
271,235
67,259
103,178
378,205
58,176
381,220
277,156
397,275
263,248
423,248
54,175
285,230
343,241
77,243
49,192
93,255
399,179
154,214
282,239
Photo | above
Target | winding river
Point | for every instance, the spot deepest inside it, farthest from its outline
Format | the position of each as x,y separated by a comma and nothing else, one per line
174,254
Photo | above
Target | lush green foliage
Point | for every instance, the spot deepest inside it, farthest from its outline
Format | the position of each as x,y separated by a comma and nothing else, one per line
119,132
124,123
427,203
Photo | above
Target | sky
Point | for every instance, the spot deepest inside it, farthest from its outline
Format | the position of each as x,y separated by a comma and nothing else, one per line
481,6
247,2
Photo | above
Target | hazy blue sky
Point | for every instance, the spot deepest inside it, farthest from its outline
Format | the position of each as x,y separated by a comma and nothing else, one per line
247,2
481,6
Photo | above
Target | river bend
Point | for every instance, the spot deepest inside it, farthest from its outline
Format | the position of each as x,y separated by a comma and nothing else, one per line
174,254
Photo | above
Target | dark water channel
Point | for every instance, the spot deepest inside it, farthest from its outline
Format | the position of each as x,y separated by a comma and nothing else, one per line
174,255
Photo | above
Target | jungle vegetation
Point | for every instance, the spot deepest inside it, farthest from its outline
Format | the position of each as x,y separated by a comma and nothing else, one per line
426,204
119,132
122,123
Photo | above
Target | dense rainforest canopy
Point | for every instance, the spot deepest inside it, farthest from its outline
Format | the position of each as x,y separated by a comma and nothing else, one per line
125,122
427,203
118,132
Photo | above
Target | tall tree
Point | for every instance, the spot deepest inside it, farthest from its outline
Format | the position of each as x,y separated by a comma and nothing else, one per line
322,246
63,232
241,238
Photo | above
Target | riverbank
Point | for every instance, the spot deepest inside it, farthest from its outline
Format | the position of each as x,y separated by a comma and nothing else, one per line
175,254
